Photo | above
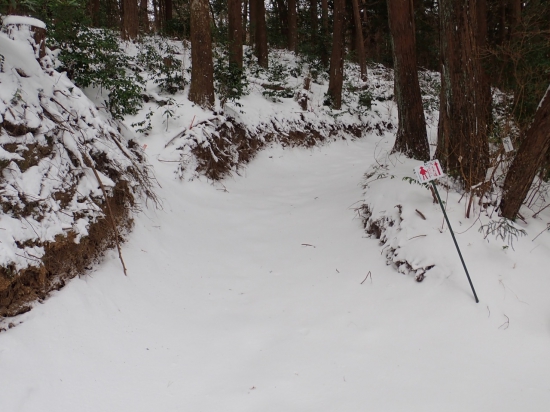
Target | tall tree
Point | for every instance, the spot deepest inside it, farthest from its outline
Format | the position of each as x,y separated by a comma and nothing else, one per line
94,11
336,71
463,146
359,44
292,26
252,9
261,34
530,157
201,90
130,20
144,16
411,137
324,25
235,27
314,20
245,19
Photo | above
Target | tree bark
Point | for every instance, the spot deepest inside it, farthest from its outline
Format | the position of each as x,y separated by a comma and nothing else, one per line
168,7
515,16
530,157
261,34
144,16
314,21
359,44
324,24
130,20
411,139
235,27
292,26
252,8
463,146
336,71
201,90
94,9
244,19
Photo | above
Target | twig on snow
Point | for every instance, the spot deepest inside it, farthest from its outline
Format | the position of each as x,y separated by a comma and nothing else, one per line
368,274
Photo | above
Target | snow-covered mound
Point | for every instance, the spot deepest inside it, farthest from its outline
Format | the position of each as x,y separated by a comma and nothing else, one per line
285,103
59,160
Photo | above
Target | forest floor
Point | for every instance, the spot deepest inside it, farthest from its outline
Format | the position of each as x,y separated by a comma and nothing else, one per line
262,291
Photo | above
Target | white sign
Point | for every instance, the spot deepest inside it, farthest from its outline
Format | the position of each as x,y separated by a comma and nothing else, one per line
507,143
428,171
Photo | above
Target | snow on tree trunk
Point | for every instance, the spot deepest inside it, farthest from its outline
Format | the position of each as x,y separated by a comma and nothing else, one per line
411,138
201,90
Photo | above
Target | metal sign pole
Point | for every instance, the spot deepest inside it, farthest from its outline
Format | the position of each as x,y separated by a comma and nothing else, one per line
454,239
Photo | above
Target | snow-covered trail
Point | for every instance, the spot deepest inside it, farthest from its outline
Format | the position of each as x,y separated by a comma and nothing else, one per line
250,299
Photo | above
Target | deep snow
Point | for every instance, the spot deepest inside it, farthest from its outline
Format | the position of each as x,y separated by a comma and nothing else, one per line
225,308
254,294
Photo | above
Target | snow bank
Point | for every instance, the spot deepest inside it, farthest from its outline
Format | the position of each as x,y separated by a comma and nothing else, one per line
53,143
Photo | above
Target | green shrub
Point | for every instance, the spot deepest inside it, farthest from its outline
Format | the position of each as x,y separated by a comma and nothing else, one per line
92,57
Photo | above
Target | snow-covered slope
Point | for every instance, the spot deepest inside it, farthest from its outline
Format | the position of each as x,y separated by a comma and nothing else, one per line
55,146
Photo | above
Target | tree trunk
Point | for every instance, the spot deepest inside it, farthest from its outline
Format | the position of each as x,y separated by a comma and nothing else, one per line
95,13
130,20
485,82
244,20
168,10
359,45
261,34
411,137
463,146
314,21
144,16
252,8
156,14
235,32
530,157
201,90
515,16
292,26
324,23
283,13
336,71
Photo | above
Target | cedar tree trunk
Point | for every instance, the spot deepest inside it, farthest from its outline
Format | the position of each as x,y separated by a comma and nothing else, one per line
201,90
462,141
324,23
261,33
144,16
130,20
359,45
235,32
530,157
336,71
292,26
252,8
411,137
314,21
94,9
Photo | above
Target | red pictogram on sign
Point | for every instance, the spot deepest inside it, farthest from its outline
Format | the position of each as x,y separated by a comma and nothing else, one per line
428,171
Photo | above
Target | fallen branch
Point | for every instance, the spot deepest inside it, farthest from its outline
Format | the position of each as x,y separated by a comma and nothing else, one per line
90,164
368,274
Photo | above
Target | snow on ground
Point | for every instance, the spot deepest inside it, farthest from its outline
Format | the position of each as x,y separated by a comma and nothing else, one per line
250,295
254,294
